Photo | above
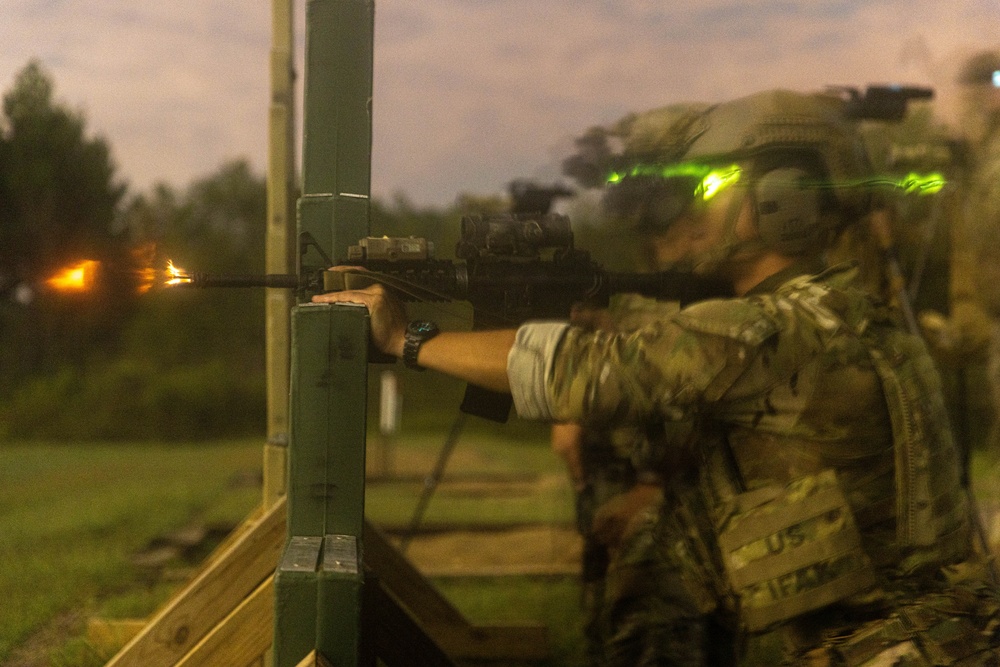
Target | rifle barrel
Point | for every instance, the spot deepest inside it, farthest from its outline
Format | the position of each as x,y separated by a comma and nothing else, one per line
280,280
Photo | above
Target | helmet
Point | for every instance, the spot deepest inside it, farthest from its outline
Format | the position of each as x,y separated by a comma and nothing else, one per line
807,164
801,160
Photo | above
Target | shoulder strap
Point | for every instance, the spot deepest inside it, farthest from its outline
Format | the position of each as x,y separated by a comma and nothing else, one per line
931,510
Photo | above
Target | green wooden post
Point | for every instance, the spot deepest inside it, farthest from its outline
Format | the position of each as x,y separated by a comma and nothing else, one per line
336,169
319,581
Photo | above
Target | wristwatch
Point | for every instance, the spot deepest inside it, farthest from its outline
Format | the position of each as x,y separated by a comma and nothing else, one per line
418,332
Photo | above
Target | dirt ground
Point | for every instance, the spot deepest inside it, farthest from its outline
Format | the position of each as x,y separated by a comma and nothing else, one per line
539,549
35,651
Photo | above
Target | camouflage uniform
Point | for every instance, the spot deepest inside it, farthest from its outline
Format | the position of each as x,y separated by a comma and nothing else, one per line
817,509
606,476
620,489
783,385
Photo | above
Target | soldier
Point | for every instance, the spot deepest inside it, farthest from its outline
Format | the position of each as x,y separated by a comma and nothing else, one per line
915,253
946,243
819,500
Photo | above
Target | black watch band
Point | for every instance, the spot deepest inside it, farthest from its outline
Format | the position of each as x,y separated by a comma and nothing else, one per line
418,332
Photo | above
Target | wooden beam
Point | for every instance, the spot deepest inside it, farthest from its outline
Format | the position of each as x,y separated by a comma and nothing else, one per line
242,637
390,632
528,643
314,659
209,597
279,245
450,630
252,556
401,579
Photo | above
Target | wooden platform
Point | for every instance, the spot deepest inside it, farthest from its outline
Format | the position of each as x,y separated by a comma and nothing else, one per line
225,615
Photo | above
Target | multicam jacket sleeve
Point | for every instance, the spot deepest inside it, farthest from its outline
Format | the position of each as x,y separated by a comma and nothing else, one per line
669,369
771,362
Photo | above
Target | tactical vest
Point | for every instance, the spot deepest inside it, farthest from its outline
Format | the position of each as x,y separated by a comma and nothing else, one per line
806,517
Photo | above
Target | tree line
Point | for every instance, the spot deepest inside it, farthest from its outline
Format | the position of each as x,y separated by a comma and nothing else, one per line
122,360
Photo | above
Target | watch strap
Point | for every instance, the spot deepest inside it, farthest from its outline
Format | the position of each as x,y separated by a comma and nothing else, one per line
417,333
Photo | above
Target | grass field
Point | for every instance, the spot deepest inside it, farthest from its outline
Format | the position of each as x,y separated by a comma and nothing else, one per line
72,517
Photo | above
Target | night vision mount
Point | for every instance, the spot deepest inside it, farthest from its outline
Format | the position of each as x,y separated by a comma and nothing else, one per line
887,102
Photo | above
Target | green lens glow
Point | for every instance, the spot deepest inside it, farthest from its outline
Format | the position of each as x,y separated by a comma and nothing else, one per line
716,181
922,184
659,171
713,180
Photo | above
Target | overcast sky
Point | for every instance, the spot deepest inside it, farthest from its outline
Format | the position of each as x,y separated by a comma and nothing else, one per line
469,94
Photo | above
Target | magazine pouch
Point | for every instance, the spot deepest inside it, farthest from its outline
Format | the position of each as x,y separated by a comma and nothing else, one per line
791,550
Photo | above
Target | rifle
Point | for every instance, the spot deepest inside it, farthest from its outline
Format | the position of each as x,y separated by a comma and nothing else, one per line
513,266
510,267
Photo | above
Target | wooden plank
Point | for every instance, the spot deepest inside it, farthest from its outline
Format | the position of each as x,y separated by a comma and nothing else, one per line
113,634
242,637
390,632
440,620
314,659
275,471
249,523
308,661
209,597
406,583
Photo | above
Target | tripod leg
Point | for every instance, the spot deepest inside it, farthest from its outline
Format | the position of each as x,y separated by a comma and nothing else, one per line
432,480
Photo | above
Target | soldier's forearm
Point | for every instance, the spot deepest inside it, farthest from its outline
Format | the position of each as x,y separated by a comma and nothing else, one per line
478,357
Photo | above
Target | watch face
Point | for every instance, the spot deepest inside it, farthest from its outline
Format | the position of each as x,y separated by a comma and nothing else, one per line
422,328
416,333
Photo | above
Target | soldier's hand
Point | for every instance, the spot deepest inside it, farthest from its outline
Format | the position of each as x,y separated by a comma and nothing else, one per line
962,337
566,442
388,317
613,521
934,326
